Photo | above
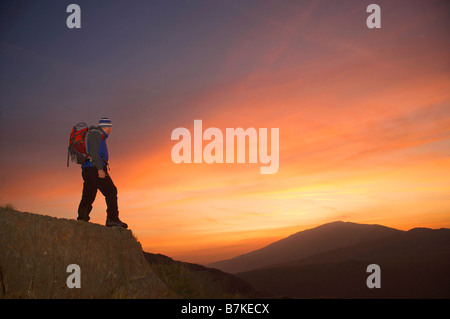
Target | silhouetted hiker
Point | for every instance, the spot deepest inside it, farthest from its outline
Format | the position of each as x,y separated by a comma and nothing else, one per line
96,177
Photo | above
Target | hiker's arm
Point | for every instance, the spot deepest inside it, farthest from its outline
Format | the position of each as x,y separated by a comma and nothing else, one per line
94,150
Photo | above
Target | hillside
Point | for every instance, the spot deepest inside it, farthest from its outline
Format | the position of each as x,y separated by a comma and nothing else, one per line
414,264
35,251
411,244
199,282
304,244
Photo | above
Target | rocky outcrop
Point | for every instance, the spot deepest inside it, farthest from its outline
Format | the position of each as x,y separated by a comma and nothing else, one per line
36,250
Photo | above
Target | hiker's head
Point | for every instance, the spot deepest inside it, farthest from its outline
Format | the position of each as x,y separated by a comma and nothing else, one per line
106,124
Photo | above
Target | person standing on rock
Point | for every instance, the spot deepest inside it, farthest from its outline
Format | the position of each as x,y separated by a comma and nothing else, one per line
95,175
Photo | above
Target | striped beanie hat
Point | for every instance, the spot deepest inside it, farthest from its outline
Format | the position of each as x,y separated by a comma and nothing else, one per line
105,122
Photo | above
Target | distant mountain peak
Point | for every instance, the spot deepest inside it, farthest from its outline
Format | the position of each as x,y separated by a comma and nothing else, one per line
305,243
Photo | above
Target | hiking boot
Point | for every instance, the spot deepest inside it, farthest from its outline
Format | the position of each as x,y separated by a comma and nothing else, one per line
115,222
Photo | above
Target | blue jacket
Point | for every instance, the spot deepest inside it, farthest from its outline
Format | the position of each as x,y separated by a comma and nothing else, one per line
96,148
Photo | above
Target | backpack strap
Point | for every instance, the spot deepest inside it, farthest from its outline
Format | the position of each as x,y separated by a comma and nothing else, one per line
87,144
86,137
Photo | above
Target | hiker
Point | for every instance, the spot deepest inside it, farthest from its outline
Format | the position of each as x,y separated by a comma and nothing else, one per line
96,177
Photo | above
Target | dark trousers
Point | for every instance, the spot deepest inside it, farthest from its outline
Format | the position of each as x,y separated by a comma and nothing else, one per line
91,184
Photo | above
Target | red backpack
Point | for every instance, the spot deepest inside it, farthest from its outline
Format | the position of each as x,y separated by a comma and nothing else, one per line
77,144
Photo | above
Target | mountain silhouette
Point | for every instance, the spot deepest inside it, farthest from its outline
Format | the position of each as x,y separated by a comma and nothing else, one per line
414,264
329,261
410,244
305,244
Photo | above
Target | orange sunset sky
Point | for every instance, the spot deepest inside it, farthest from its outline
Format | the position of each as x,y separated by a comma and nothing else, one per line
363,116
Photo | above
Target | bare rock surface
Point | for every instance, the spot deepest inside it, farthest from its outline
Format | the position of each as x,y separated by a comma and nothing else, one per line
35,251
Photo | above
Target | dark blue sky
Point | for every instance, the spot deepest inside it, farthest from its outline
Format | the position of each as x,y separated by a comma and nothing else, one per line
128,55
